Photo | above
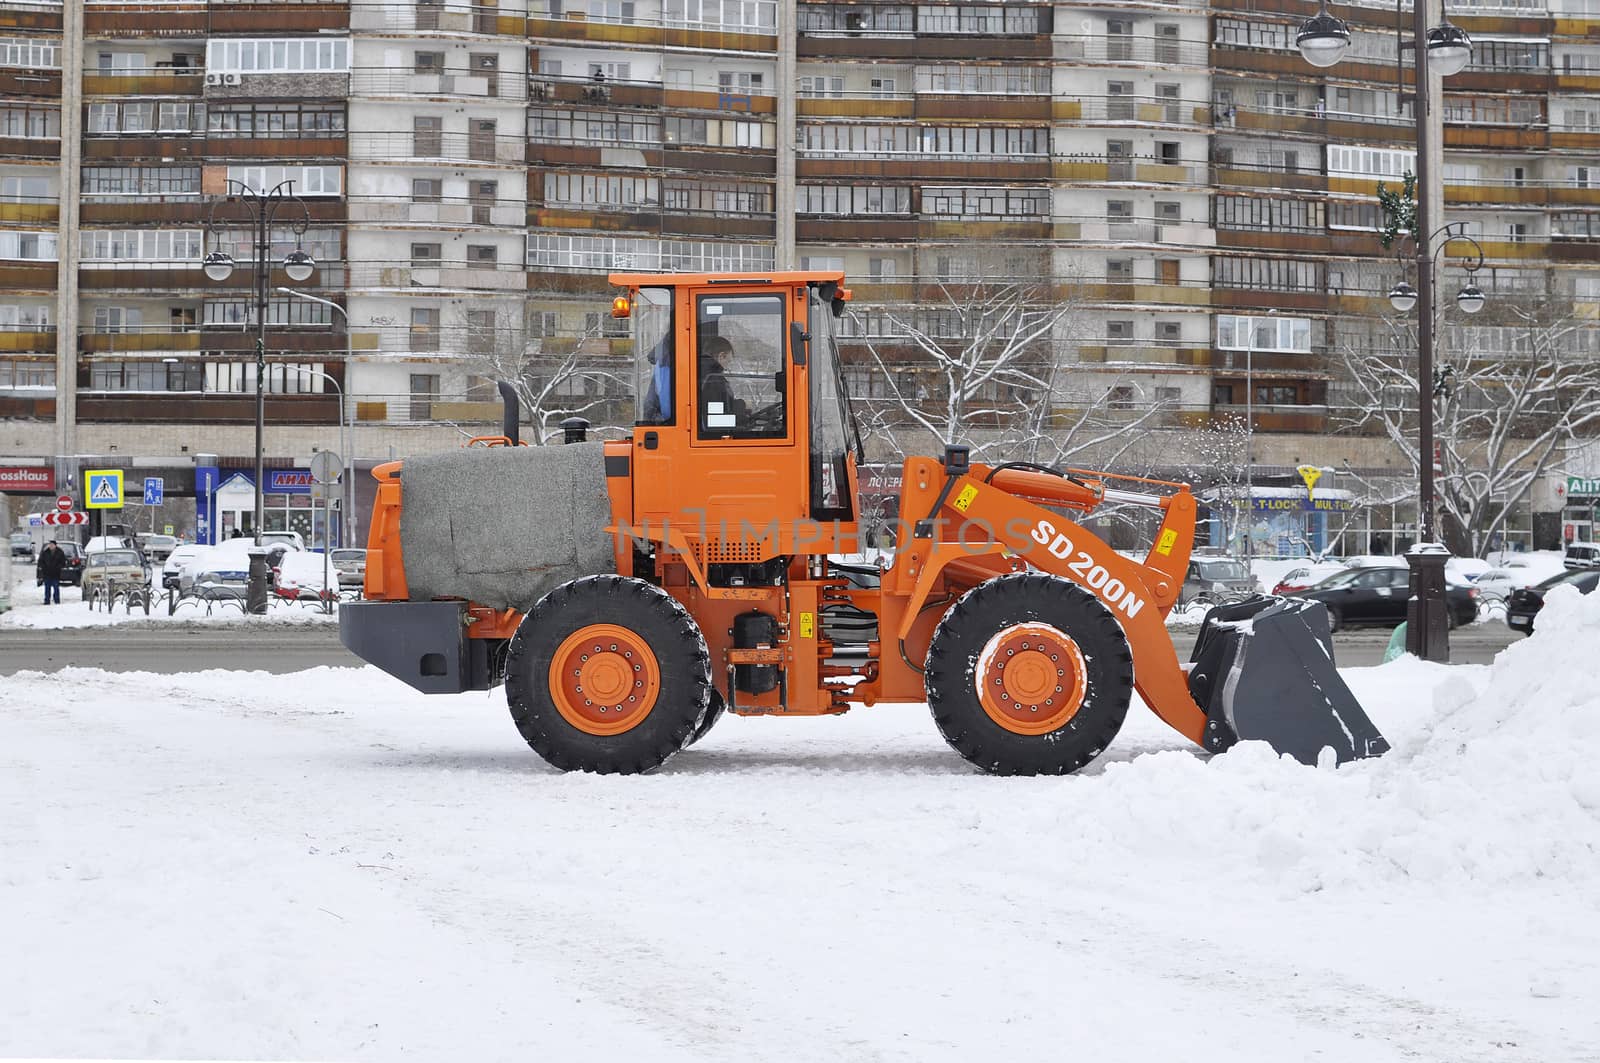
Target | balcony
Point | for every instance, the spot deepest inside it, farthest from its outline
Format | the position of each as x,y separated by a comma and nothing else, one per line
439,148
280,17
275,148
908,166
154,82
579,26
1315,302
1116,49
28,276
510,86
41,83
213,339
923,47
1285,178
32,212
1101,230
134,20
175,145
545,88
435,18
1128,110
130,210
145,407
30,147
404,210
1312,420
504,277
26,16
15,340
1297,241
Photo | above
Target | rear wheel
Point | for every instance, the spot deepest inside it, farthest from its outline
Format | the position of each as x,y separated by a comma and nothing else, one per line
607,674
1335,620
1029,674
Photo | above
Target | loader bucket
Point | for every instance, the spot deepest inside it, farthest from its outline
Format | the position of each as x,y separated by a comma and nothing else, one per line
1263,669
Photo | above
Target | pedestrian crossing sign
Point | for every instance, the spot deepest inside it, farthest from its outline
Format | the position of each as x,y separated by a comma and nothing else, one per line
104,489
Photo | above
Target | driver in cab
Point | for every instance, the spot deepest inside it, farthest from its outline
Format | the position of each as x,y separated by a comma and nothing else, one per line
719,407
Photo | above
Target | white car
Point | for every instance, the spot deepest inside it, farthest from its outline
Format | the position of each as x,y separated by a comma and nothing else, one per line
173,565
293,540
229,559
1515,573
300,576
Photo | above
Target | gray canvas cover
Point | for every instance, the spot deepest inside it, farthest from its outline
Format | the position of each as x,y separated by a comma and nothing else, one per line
503,525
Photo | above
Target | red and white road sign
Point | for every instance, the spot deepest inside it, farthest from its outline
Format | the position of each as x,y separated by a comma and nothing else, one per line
66,518
64,503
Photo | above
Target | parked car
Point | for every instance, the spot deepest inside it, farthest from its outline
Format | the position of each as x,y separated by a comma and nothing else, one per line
1516,572
217,585
1525,602
352,566
1306,576
299,577
1582,555
106,566
72,571
1216,579
289,538
156,547
173,565
22,545
228,559
1378,596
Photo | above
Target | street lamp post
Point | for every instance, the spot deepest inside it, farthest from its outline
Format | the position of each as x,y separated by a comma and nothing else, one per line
298,266
343,442
347,491
1323,40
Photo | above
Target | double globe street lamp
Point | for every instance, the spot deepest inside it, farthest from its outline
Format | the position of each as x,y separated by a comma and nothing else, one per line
1444,50
298,266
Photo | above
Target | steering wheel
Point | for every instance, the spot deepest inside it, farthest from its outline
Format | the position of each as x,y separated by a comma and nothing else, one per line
768,417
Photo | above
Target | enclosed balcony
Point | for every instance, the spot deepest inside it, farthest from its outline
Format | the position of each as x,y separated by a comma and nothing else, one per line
433,146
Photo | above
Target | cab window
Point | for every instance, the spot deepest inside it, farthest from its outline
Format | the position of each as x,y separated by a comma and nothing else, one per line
740,370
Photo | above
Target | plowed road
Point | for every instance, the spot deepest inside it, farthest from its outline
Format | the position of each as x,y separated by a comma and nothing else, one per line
170,649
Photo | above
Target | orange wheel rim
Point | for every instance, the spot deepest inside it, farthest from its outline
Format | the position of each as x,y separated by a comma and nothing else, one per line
1030,678
604,679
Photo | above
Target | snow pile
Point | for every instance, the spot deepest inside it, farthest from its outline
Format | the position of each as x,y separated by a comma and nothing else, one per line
1492,785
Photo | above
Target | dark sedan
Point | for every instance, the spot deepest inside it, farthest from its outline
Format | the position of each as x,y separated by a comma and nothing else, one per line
1525,602
72,572
1379,596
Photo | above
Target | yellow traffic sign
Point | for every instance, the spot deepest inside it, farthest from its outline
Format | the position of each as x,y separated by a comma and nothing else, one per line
103,489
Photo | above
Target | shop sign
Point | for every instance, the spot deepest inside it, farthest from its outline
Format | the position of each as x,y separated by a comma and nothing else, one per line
1583,486
289,482
27,479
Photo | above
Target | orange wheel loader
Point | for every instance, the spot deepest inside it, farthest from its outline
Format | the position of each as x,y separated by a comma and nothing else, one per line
629,592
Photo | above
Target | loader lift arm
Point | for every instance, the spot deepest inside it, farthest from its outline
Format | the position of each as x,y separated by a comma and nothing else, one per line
1002,510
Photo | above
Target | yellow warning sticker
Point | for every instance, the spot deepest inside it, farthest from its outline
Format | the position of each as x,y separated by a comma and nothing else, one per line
808,625
1166,542
964,499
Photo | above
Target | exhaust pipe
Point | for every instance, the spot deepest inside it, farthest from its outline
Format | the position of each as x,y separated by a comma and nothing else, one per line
513,415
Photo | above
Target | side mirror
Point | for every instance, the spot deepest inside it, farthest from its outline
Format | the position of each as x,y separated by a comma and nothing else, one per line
798,338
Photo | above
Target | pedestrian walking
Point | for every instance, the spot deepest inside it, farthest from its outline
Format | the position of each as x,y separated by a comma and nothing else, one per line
52,559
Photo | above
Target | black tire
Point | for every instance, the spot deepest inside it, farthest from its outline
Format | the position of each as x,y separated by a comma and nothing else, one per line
1335,621
984,613
660,623
715,707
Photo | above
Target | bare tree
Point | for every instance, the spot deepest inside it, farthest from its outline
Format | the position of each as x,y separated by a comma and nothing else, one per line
1502,417
983,364
554,377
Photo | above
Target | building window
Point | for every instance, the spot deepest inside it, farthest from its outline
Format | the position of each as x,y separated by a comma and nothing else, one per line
1267,274
1272,215
424,393
275,120
985,204
1290,334
427,189
1119,211
482,255
1370,162
30,53
283,55
844,200
424,328
601,192
426,254
308,181
428,63
148,245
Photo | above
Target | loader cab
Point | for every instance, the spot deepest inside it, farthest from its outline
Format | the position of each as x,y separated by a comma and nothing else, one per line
743,419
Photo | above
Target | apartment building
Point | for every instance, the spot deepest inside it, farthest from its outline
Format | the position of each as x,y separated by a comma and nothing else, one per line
466,175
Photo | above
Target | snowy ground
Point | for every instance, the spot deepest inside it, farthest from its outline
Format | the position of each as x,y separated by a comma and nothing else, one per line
344,869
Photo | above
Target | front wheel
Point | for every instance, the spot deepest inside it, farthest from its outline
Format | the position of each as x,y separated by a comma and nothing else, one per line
1335,620
607,674
1029,674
